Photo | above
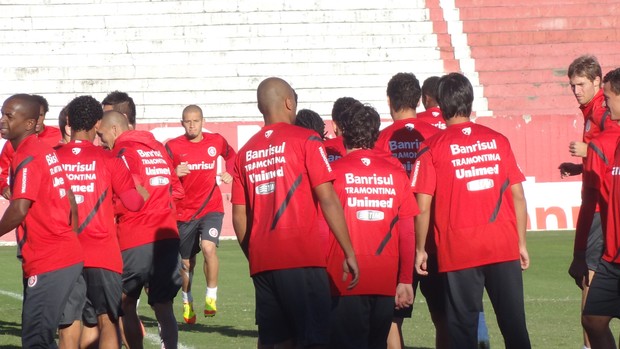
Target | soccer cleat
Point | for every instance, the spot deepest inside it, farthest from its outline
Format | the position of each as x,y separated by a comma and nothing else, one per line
210,307
188,313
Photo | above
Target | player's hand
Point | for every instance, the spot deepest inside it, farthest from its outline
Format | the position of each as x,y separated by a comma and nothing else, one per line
525,258
6,193
350,267
225,177
421,257
569,169
578,270
143,192
404,296
182,169
579,149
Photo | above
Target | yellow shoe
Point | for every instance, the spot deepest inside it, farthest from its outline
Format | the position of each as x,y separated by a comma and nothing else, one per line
210,307
188,313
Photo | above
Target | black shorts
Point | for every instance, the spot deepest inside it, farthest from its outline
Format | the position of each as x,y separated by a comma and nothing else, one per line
360,321
604,294
293,304
45,299
103,294
75,303
594,249
157,265
206,228
432,287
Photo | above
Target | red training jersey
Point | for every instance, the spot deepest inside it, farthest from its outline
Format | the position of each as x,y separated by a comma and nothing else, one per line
151,168
274,175
434,117
375,194
335,148
95,175
403,139
202,194
595,117
45,239
469,169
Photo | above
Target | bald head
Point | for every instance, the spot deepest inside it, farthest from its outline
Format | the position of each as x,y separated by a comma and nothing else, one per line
114,118
112,125
28,105
276,101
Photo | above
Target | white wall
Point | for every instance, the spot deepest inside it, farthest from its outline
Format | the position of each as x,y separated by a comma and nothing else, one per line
167,54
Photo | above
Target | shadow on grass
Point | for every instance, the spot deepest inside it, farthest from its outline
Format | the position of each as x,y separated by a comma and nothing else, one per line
10,329
227,331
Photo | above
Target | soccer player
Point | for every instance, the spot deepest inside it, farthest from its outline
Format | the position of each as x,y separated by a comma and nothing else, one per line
199,216
122,103
149,238
95,175
278,174
48,135
379,206
63,126
311,120
585,77
471,174
41,212
334,146
603,300
432,112
403,137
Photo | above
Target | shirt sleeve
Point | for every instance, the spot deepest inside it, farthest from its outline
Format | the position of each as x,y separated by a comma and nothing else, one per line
238,190
594,166
229,155
424,178
316,163
121,177
5,164
28,178
514,172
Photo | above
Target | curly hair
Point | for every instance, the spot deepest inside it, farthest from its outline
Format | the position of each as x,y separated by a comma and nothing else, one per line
613,79
404,91
340,105
122,103
84,112
311,120
360,126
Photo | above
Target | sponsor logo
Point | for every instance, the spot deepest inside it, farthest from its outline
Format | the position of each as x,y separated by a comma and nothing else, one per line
76,151
268,133
63,193
266,188
159,181
211,151
213,233
467,131
369,215
409,127
32,281
588,125
480,184
366,161
79,199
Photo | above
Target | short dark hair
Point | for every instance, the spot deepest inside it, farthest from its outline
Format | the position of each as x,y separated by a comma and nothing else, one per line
311,120
586,65
455,95
42,102
30,103
122,103
429,87
63,120
404,91
360,126
613,79
84,112
340,105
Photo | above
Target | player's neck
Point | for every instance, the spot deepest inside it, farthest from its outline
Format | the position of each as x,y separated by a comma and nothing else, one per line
83,135
404,114
15,142
197,138
458,119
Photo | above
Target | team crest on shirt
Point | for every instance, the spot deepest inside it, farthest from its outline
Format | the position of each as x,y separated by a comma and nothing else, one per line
435,113
268,133
211,151
588,125
213,232
467,131
365,161
32,281
409,127
76,151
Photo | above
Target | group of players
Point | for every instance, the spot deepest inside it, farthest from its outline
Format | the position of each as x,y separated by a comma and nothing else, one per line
97,224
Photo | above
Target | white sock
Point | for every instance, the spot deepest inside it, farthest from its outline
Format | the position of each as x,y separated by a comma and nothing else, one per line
187,297
212,292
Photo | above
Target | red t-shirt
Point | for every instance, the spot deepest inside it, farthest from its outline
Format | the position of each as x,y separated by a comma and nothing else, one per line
469,170
375,194
403,139
202,194
595,117
612,236
274,175
95,175
45,239
151,168
335,148
49,136
434,117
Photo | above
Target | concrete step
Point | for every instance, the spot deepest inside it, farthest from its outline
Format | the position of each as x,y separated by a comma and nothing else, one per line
564,50
543,10
542,37
540,24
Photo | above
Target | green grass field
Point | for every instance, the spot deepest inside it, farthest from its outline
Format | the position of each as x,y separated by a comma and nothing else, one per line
551,299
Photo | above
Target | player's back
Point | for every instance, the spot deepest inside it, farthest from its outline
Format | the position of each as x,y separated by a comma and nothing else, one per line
434,117
335,148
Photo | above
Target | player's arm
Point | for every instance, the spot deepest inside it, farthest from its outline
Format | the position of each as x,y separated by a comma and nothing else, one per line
518,198
124,186
5,165
422,221
334,216
577,148
240,225
14,215
406,251
229,156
